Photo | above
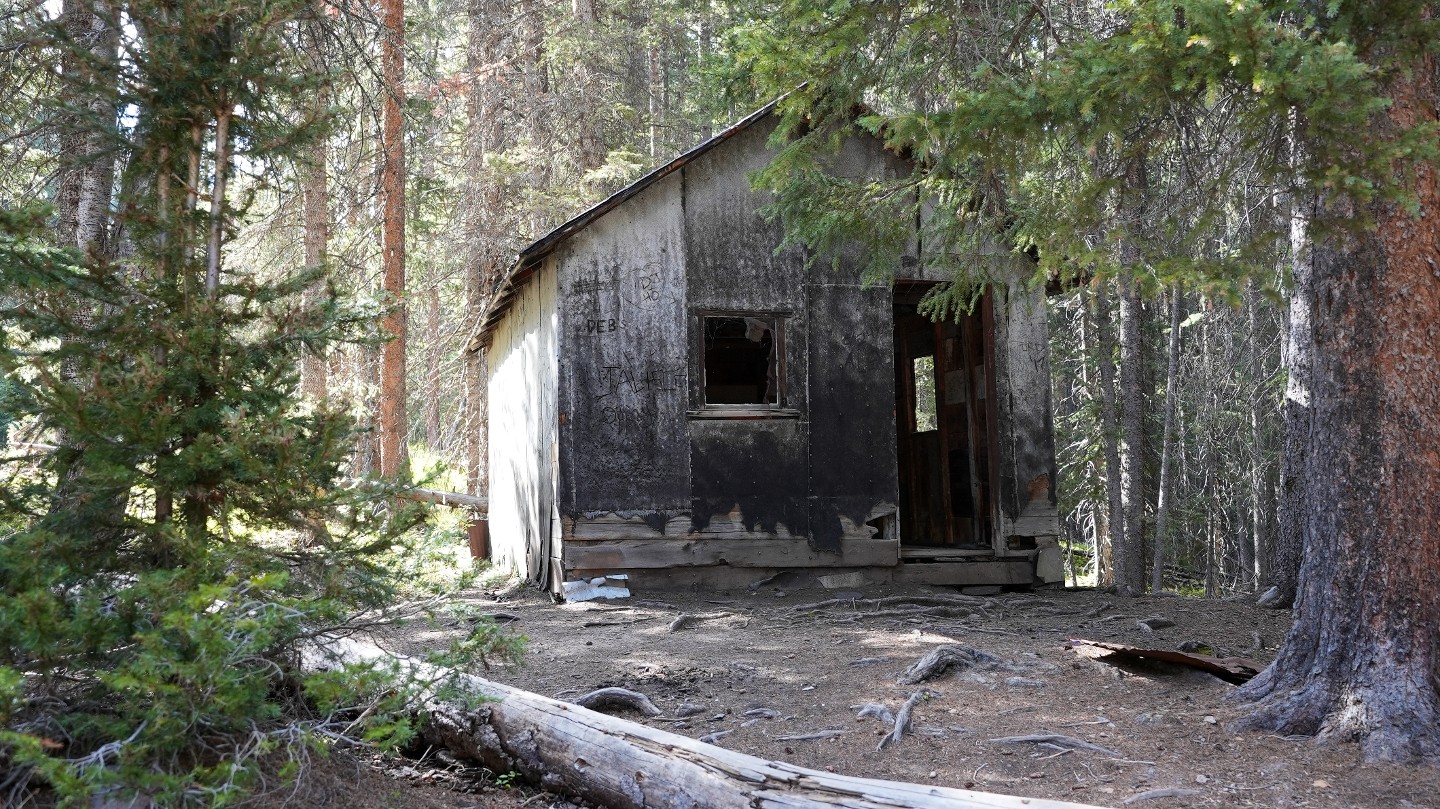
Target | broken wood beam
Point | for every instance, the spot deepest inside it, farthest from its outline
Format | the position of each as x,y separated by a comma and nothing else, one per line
452,499
571,750
444,498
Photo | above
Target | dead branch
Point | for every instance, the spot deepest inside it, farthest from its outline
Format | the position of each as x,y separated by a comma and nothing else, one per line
1056,739
810,737
626,765
684,620
1164,792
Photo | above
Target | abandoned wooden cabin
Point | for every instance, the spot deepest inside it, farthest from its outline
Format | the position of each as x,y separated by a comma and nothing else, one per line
671,399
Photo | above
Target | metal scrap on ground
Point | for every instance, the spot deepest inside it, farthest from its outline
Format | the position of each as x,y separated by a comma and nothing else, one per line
1234,670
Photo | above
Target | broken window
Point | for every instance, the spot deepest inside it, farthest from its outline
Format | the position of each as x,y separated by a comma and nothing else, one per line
742,360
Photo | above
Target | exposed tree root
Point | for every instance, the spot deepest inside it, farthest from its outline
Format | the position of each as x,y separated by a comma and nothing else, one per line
903,718
944,658
611,698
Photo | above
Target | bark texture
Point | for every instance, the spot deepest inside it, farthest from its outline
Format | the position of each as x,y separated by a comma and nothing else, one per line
1110,427
1360,662
1172,389
1295,411
1130,554
394,427
314,188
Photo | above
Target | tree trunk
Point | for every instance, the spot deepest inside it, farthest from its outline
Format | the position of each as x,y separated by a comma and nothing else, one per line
1261,501
1130,553
625,765
1172,391
483,220
1298,353
1360,661
315,196
1110,430
394,425
433,348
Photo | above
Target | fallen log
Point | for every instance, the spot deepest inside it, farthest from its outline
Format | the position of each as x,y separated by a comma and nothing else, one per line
571,750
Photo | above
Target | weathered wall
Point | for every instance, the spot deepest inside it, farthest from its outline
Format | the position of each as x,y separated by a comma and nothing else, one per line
624,361
758,466
1027,429
522,394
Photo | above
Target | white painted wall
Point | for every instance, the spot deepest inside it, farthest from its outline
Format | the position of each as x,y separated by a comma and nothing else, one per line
522,388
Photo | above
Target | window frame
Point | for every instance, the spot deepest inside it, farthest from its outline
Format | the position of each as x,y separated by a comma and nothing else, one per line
701,409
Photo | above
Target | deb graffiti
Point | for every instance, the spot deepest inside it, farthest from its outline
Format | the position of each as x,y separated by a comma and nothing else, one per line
601,325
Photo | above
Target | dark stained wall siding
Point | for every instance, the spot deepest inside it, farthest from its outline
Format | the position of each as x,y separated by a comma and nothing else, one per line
852,407
624,360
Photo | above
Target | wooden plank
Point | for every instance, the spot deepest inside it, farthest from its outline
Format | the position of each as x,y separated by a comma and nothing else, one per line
626,765
452,499
723,578
939,553
1016,571
729,526
772,551
1033,525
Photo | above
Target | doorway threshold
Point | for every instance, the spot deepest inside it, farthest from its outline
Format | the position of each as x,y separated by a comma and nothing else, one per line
942,553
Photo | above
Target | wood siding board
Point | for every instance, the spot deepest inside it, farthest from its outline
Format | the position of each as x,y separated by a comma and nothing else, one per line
620,554
1017,571
757,467
522,390
1028,498
852,407
625,367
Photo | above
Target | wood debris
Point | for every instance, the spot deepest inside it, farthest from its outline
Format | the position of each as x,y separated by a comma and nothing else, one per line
1056,740
810,737
684,619
1164,792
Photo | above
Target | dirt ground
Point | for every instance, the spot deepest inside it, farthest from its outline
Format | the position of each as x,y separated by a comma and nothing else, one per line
747,654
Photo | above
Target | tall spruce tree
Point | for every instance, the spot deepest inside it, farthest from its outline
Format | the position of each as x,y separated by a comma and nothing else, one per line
1028,123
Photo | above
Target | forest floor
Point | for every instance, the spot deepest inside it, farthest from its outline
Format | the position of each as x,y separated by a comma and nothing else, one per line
753,653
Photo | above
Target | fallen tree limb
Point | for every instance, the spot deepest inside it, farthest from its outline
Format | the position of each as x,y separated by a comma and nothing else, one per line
887,601
1056,739
624,765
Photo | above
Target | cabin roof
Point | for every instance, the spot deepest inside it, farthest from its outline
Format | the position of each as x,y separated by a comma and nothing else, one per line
528,259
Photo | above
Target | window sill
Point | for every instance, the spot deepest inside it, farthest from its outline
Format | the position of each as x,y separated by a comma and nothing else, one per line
740,412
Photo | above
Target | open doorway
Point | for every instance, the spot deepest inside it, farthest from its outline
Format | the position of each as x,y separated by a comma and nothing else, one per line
944,419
